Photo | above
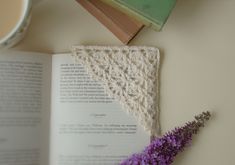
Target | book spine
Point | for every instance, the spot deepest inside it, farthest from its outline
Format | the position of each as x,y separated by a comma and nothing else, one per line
121,25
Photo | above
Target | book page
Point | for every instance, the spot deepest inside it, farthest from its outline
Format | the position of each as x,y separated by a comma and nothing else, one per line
24,108
87,126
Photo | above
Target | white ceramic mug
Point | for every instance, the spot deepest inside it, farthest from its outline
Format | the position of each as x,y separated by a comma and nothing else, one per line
18,32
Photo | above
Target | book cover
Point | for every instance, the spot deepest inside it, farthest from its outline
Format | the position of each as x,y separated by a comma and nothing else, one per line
152,13
121,25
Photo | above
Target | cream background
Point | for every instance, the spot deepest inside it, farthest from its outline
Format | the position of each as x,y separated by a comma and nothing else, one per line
197,71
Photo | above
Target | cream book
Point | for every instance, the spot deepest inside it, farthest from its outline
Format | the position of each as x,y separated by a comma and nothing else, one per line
53,113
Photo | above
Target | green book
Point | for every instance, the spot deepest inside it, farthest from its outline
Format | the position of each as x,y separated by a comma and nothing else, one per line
152,13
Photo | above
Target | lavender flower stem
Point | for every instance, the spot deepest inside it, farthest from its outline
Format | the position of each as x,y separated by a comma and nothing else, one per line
163,150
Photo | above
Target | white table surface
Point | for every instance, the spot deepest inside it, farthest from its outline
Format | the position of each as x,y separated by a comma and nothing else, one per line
197,69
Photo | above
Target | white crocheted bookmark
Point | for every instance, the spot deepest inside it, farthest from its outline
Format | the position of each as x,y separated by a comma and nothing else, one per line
130,75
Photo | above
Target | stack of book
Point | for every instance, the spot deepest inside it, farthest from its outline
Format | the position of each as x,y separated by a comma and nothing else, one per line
125,18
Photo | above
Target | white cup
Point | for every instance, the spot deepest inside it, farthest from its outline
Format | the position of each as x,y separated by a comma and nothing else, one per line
18,32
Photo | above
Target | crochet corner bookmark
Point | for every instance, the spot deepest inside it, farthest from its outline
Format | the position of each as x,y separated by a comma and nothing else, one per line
130,75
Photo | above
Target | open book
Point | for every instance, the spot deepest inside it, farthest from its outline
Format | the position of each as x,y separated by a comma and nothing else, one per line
52,112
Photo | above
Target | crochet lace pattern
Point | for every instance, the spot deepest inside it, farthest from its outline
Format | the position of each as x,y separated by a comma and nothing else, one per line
130,75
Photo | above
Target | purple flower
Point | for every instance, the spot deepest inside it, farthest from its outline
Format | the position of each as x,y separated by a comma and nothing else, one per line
163,150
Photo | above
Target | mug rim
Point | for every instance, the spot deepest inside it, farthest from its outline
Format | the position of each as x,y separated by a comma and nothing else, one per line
26,10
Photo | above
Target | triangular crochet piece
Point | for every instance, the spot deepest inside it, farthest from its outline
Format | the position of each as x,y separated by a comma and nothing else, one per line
130,75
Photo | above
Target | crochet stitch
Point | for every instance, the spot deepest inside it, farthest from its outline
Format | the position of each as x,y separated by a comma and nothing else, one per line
130,75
